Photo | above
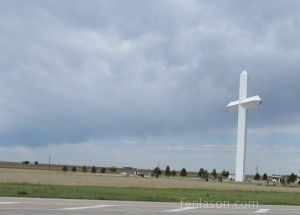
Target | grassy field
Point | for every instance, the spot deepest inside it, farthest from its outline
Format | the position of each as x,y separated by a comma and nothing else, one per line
59,184
147,194
29,176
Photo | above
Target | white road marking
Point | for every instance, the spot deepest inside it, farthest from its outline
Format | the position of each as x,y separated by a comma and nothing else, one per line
8,203
180,209
261,211
86,207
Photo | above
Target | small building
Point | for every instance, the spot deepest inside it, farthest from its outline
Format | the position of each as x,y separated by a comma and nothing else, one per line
276,178
138,174
127,168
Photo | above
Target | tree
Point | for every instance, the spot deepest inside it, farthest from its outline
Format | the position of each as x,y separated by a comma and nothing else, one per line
292,178
168,172
265,177
225,173
174,172
113,169
94,169
257,176
65,168
282,181
183,172
206,175
36,163
103,170
205,172
84,169
214,174
201,173
74,169
156,172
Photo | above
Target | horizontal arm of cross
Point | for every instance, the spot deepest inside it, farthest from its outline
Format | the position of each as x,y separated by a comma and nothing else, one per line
247,103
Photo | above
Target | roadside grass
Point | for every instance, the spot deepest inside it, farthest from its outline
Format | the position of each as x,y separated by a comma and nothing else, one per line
147,194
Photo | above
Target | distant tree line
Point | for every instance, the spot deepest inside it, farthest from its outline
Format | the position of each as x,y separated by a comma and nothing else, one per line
203,173
156,172
93,169
28,162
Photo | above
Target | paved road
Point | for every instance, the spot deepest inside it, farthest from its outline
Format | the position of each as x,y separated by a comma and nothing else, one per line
31,206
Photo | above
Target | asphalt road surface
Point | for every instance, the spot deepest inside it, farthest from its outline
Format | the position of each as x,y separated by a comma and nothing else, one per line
32,206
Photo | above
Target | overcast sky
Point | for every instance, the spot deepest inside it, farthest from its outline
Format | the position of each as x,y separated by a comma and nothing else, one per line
136,82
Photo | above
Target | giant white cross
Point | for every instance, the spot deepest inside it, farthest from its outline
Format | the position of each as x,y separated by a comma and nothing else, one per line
242,105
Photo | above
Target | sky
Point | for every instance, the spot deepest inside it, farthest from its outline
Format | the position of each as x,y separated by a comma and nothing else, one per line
140,83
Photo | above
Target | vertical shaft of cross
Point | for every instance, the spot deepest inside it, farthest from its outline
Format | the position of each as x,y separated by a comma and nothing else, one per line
242,129
242,105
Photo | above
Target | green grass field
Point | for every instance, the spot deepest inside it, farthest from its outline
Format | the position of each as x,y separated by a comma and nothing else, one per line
147,194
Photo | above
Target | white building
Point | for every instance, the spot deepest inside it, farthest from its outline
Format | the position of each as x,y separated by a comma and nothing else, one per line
276,178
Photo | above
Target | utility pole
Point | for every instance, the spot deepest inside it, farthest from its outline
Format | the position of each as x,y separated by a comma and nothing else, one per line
49,162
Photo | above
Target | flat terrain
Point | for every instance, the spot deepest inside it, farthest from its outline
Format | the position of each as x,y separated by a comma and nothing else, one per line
109,180
39,183
29,206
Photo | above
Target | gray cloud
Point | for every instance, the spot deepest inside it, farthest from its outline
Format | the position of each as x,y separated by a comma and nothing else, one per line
71,72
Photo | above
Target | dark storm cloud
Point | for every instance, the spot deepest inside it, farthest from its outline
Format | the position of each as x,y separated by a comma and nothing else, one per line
78,70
